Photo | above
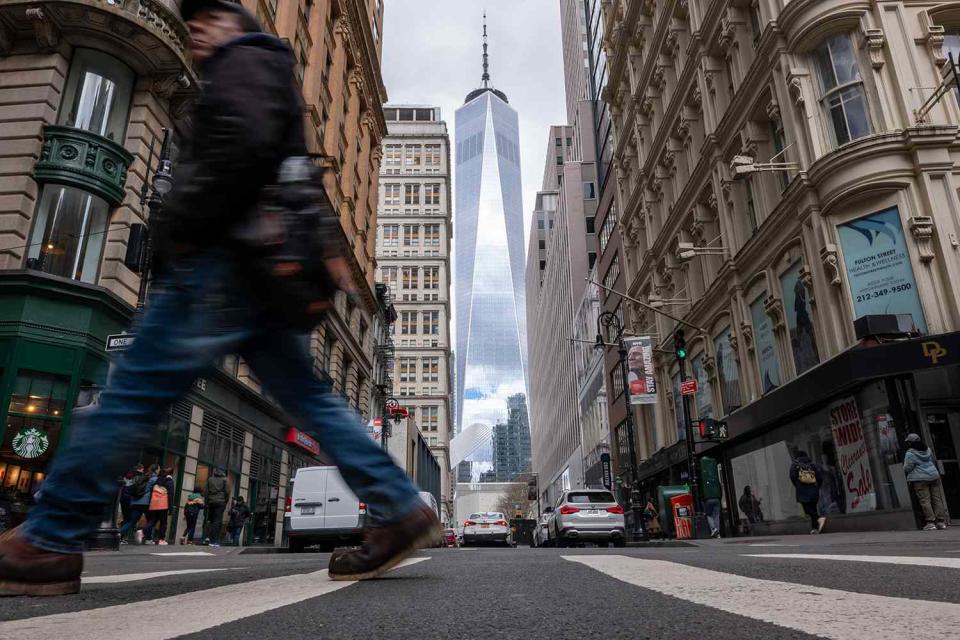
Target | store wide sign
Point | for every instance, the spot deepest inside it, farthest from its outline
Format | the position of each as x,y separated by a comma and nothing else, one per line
878,267
852,458
641,374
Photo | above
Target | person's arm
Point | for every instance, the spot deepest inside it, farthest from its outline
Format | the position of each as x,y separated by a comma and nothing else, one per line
909,463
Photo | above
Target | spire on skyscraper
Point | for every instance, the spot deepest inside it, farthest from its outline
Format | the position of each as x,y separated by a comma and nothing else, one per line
486,59
485,78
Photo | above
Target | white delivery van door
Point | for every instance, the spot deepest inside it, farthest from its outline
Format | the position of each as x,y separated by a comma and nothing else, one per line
342,506
309,498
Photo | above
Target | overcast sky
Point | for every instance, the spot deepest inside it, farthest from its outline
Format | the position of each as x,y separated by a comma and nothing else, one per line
432,55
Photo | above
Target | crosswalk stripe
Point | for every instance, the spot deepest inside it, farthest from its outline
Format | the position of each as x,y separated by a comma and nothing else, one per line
183,553
135,577
178,615
949,563
829,613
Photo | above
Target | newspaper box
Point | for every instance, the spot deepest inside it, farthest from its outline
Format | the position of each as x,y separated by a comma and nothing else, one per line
682,507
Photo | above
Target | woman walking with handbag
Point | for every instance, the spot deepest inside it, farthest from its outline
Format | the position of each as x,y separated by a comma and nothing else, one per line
159,507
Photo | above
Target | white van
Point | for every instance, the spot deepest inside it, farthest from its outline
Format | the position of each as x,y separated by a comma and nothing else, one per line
321,510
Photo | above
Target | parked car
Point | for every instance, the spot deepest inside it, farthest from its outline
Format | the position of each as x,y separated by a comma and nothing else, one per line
541,535
487,527
587,515
450,538
321,510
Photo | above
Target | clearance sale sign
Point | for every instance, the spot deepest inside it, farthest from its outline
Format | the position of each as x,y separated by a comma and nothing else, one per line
852,459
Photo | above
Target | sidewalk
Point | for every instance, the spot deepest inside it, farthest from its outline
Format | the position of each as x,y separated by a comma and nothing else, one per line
169,549
912,539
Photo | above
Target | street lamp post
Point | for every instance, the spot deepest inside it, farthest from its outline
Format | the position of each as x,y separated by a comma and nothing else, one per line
605,322
160,186
393,409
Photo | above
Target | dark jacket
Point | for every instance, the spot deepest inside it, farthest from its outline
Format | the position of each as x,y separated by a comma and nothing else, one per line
248,117
217,489
239,514
806,492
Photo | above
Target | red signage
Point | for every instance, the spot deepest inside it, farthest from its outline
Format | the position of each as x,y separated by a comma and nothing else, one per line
299,439
688,387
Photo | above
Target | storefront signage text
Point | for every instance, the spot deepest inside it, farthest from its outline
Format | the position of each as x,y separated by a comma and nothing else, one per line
300,439
120,342
688,387
852,458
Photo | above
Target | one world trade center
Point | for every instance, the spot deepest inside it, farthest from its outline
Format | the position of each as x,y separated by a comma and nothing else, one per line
489,277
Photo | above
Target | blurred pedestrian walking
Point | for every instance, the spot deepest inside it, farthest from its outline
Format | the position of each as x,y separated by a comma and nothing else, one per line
806,479
239,514
191,511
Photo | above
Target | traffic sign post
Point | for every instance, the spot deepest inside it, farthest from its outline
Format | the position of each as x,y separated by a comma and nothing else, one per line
688,387
119,342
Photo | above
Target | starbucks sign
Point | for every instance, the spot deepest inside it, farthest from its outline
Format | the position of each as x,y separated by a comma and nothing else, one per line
30,442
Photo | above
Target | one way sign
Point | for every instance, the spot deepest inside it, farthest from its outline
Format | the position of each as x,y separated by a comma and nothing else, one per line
120,342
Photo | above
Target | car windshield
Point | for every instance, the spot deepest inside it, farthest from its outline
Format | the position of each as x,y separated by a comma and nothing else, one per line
487,515
593,497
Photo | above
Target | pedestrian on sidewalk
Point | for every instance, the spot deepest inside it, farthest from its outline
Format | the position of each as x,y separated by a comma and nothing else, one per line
161,498
924,478
750,505
712,493
217,496
807,479
191,512
222,288
141,491
239,514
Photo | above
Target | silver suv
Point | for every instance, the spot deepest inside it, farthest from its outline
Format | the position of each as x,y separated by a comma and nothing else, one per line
587,515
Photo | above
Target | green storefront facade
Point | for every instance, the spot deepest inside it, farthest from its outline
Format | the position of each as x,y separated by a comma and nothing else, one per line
52,337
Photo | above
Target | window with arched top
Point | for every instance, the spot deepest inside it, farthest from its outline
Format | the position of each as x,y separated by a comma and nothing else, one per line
842,93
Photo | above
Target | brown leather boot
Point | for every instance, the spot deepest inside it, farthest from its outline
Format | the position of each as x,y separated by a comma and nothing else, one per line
384,547
26,570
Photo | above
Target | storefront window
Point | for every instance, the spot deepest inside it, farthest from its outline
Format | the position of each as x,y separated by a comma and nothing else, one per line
878,265
69,233
30,439
264,491
803,339
97,94
704,392
853,443
765,345
727,372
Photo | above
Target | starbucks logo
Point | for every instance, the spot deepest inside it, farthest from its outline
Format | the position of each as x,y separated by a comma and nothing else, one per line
30,442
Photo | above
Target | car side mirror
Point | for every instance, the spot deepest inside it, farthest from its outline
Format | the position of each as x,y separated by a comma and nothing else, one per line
548,510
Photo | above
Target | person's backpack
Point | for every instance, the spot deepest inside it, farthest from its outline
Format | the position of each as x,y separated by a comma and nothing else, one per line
806,474
159,499
286,243
139,487
192,509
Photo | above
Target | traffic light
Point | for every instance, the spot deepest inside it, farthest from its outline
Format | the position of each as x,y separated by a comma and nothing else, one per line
532,489
680,345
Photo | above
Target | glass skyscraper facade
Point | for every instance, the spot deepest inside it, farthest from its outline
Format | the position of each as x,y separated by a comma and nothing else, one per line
489,264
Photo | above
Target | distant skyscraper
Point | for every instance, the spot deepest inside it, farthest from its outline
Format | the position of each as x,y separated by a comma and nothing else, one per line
489,275
511,441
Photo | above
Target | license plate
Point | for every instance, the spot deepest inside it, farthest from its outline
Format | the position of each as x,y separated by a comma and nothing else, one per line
593,512
484,526
307,511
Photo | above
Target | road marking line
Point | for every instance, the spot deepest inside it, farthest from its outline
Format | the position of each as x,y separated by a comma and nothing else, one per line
772,544
134,577
949,563
829,613
163,618
185,553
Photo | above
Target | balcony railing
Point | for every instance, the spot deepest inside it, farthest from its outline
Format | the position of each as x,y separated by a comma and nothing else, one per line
84,160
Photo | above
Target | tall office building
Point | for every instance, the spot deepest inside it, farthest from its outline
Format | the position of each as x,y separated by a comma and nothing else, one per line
511,441
491,325
413,252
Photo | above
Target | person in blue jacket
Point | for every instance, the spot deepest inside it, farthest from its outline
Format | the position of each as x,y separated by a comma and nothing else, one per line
924,478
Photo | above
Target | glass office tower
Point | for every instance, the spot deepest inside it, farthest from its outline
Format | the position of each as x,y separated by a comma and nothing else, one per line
489,276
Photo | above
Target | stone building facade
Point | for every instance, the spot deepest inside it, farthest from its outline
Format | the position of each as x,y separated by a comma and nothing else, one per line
413,252
86,88
772,267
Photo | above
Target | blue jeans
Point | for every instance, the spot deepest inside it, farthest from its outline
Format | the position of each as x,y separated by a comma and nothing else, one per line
712,508
196,314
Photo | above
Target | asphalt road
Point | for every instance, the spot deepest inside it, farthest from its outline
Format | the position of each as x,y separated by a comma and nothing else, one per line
844,586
